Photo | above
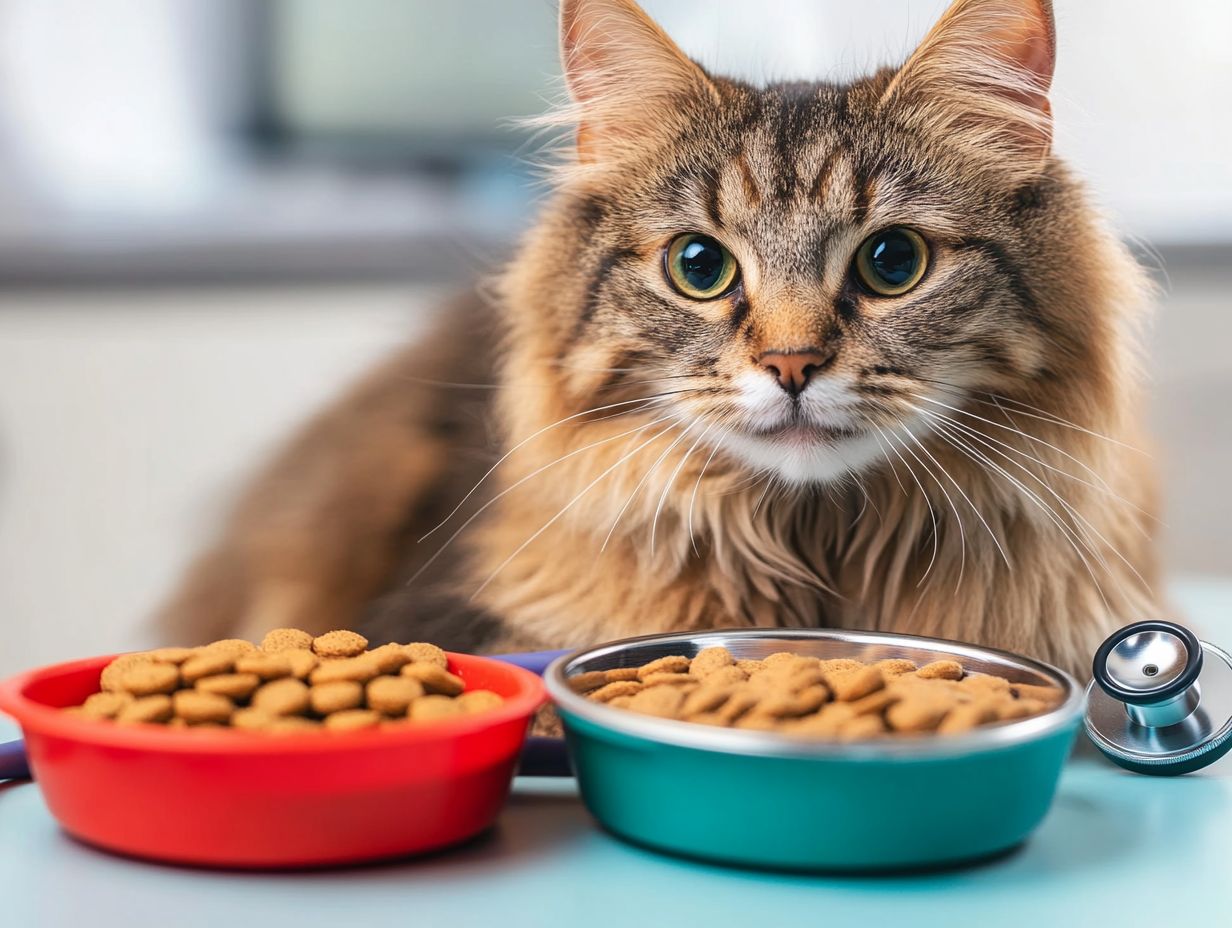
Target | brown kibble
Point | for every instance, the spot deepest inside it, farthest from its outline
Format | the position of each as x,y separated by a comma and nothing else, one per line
235,686
196,707
389,658
875,703
392,695
434,679
708,660
725,676
985,684
705,699
840,664
339,643
967,716
861,727
356,669
479,701
670,679
855,684
940,670
420,652
290,724
109,681
150,679
585,682
252,719
206,664
171,655
610,691
1012,709
287,696
756,721
232,646
338,696
671,664
148,709
105,705
352,719
749,666
738,703
917,715
661,701
431,708
621,674
285,639
893,666
265,666
302,662
1049,695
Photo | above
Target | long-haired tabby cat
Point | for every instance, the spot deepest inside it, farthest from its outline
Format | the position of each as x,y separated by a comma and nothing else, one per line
811,354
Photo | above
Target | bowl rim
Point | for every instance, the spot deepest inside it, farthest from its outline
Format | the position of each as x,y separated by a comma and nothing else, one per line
42,719
771,744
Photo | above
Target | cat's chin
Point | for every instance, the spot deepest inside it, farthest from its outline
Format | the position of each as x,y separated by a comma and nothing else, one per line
804,455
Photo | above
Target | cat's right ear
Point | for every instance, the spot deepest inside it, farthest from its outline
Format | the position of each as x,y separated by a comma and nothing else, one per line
626,77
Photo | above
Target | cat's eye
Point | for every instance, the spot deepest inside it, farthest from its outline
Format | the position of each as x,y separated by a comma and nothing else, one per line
699,267
892,261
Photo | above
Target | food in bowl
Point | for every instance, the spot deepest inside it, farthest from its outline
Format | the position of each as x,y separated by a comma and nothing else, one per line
797,694
292,681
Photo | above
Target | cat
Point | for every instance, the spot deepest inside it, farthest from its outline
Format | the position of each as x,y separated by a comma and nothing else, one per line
828,355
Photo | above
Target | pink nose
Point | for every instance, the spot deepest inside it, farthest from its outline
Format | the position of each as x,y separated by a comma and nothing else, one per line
794,369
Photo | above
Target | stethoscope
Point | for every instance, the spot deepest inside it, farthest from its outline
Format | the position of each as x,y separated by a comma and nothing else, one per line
1160,702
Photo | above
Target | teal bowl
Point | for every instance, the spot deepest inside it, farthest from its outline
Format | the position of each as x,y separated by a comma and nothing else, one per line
760,799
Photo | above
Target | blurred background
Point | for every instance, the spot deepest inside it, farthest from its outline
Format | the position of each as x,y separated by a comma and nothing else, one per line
213,213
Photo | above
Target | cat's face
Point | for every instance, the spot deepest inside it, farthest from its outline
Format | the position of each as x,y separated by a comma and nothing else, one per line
804,271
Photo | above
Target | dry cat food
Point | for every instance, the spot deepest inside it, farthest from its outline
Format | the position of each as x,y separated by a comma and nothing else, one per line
292,681
794,694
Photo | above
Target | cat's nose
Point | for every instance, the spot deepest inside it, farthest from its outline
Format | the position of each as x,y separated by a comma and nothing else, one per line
794,369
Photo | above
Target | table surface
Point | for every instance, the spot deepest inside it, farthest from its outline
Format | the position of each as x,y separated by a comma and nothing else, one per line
1116,849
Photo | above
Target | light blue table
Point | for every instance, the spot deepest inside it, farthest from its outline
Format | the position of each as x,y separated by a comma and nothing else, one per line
1116,850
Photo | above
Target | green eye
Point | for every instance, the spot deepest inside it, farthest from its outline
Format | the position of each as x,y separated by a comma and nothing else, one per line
699,267
892,261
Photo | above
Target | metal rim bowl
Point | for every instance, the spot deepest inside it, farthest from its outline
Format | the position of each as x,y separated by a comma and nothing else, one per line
767,800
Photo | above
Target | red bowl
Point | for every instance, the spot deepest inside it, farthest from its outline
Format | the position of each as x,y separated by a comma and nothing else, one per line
245,799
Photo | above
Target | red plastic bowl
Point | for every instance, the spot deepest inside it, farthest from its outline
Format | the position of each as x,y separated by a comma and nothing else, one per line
246,799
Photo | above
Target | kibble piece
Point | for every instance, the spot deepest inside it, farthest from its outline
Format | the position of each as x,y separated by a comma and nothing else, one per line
420,652
392,695
917,715
983,684
478,701
235,686
737,704
613,690
861,727
590,680
893,666
149,679
171,655
352,719
840,664
287,696
265,666
1011,709
967,716
671,664
661,701
232,646
302,662
670,679
749,666
357,669
434,679
1050,695
196,707
339,643
705,699
855,684
430,708
621,674
109,681
875,703
146,709
206,664
336,697
290,724
106,705
725,676
940,670
389,658
252,719
285,639
708,660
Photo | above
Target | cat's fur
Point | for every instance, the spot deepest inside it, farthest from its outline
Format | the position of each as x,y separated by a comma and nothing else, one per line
1020,519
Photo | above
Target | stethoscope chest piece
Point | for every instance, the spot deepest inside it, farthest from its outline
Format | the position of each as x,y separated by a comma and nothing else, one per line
1161,700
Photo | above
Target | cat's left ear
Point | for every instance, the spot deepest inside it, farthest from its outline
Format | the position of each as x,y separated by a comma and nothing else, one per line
627,78
983,73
